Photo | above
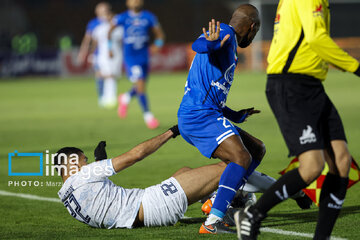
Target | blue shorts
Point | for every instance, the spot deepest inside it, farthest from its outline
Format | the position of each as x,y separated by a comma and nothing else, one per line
136,72
206,130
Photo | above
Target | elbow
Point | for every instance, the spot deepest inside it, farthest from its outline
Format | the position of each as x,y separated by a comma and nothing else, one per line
315,40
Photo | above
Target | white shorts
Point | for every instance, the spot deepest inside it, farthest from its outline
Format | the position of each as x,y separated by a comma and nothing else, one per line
110,66
164,204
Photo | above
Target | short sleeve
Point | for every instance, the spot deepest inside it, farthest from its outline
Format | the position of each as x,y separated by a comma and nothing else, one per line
91,25
154,22
119,19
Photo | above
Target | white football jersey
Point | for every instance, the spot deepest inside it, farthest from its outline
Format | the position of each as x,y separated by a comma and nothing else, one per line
92,198
107,65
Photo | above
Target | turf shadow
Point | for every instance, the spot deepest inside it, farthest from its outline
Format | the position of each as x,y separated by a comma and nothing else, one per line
192,220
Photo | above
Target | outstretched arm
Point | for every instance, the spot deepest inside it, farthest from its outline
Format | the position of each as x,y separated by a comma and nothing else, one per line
84,48
159,36
210,41
143,150
238,116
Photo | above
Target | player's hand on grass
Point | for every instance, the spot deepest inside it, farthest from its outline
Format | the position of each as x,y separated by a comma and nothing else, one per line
100,152
175,131
214,32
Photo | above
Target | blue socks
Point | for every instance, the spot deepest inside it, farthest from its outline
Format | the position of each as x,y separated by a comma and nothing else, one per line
230,181
143,102
253,165
132,92
100,87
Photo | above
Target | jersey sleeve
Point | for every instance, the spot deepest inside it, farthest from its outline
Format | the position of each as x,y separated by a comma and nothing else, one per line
314,24
119,19
201,45
98,170
91,26
154,22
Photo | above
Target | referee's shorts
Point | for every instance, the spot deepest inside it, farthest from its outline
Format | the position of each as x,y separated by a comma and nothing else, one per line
307,118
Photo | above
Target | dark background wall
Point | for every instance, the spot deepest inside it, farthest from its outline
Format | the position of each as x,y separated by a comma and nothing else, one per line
181,19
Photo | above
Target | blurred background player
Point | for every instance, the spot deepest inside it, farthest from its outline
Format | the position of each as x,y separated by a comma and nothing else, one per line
102,10
299,58
138,25
108,68
203,117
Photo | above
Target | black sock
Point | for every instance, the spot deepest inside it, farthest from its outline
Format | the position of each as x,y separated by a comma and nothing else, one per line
286,186
332,196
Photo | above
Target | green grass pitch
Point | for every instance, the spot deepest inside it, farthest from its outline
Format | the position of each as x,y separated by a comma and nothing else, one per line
39,114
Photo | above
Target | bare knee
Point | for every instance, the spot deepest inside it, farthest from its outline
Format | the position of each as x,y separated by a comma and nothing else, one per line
140,86
242,158
222,164
312,164
185,169
312,173
181,170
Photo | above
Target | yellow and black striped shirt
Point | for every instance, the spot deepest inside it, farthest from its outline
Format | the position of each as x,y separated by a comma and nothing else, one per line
302,43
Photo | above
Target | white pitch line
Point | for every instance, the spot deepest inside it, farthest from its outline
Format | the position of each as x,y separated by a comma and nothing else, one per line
269,230
29,196
291,233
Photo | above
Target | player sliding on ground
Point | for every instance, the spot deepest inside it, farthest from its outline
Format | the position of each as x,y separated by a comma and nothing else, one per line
92,198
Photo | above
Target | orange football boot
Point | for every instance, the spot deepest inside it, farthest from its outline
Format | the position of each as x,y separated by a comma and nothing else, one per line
206,207
216,228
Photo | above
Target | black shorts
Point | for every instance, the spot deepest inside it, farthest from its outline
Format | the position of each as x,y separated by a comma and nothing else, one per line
307,118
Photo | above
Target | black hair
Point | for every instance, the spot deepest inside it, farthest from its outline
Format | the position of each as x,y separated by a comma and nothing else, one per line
67,151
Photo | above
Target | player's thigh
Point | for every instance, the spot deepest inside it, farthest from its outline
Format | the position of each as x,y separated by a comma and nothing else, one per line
200,182
255,146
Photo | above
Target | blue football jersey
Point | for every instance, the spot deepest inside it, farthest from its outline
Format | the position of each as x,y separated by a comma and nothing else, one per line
211,73
137,28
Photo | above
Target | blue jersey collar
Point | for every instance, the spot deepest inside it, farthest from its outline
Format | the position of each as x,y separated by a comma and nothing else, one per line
134,14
